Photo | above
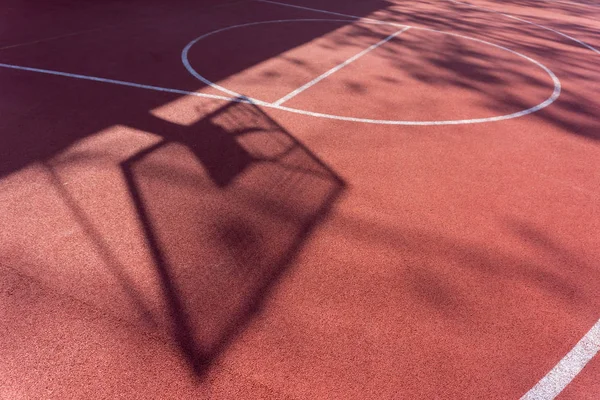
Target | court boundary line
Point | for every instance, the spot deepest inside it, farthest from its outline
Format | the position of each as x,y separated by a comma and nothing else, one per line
244,99
555,94
582,43
572,363
544,388
567,369
331,13
192,71
574,3
116,25
51,38
240,98
452,1
563,373
122,83
337,68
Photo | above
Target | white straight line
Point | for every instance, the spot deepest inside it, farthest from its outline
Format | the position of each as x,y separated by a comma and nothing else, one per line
527,22
567,369
48,39
453,1
233,3
191,70
66,35
547,102
338,67
124,83
330,12
238,98
575,3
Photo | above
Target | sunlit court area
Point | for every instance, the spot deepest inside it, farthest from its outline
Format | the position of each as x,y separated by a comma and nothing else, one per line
299,199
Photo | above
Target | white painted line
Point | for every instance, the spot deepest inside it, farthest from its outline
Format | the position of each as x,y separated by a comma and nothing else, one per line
48,39
338,67
528,22
547,102
330,12
248,100
233,3
236,97
191,70
574,3
568,368
453,1
122,83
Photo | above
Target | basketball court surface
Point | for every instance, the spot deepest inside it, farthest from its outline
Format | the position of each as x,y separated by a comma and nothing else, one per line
305,199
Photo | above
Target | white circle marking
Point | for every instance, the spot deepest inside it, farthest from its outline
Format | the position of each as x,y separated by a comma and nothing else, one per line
545,103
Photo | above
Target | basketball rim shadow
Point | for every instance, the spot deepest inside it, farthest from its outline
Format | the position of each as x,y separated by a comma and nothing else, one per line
226,205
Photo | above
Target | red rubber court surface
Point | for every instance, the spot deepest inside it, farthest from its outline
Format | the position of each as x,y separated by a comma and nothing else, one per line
302,200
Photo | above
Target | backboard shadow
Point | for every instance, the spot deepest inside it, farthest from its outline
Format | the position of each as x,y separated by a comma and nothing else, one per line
225,204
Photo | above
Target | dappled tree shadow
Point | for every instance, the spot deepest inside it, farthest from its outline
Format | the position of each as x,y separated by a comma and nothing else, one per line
505,82
227,202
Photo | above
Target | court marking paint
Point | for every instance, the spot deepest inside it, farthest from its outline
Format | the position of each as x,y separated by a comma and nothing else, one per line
330,13
236,97
120,83
338,67
51,38
278,106
526,22
563,373
573,363
568,368
188,66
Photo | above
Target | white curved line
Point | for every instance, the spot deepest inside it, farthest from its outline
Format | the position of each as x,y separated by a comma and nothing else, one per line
545,103
371,20
191,70
338,67
120,83
529,22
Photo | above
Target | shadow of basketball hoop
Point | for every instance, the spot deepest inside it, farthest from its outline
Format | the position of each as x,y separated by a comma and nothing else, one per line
226,205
